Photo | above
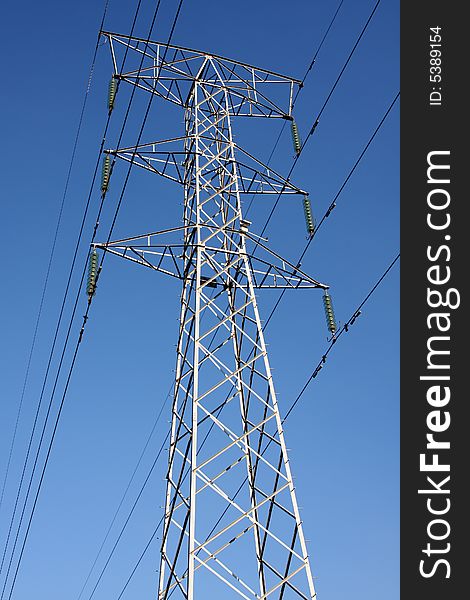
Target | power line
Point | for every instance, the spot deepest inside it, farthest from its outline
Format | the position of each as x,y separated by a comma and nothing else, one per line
309,68
128,486
338,193
114,219
317,119
342,71
67,288
85,318
312,62
59,319
343,329
52,253
333,202
140,558
123,528
51,354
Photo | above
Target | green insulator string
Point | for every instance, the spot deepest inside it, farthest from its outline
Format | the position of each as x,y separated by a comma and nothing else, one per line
105,174
295,137
92,273
329,313
308,216
112,93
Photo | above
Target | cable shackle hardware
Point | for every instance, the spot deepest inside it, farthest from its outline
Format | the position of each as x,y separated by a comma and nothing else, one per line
329,313
112,92
309,222
92,273
105,174
295,137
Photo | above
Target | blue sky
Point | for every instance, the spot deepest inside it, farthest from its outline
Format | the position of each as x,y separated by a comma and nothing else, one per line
343,435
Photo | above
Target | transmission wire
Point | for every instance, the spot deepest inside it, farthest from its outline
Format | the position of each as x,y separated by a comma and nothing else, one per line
317,120
57,329
85,318
312,62
58,323
53,346
51,256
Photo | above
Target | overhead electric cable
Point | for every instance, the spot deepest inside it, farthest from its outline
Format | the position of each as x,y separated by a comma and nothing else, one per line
51,255
309,68
51,354
67,288
314,126
88,307
114,221
54,341
129,483
343,329
333,202
316,121
338,193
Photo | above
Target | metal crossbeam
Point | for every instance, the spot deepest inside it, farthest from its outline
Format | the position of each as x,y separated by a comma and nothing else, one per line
167,158
172,72
231,524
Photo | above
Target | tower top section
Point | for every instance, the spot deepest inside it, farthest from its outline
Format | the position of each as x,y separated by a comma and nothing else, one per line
171,72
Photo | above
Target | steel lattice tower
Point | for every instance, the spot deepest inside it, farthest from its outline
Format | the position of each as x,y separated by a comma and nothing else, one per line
231,523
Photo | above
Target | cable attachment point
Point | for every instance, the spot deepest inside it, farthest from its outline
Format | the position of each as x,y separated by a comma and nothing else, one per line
244,226
317,370
314,126
354,317
331,207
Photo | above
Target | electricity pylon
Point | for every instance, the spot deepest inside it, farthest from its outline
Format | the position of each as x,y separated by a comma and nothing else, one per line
231,523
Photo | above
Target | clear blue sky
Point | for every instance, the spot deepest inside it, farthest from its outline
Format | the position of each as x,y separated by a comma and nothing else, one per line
343,435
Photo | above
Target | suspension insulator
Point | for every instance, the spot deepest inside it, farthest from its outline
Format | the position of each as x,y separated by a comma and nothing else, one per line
105,174
308,216
295,137
112,93
92,273
329,313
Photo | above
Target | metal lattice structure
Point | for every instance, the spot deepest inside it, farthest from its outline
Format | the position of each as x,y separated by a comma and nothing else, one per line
231,524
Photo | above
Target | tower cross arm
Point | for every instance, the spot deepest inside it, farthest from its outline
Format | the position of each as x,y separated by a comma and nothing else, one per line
268,269
170,72
169,159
